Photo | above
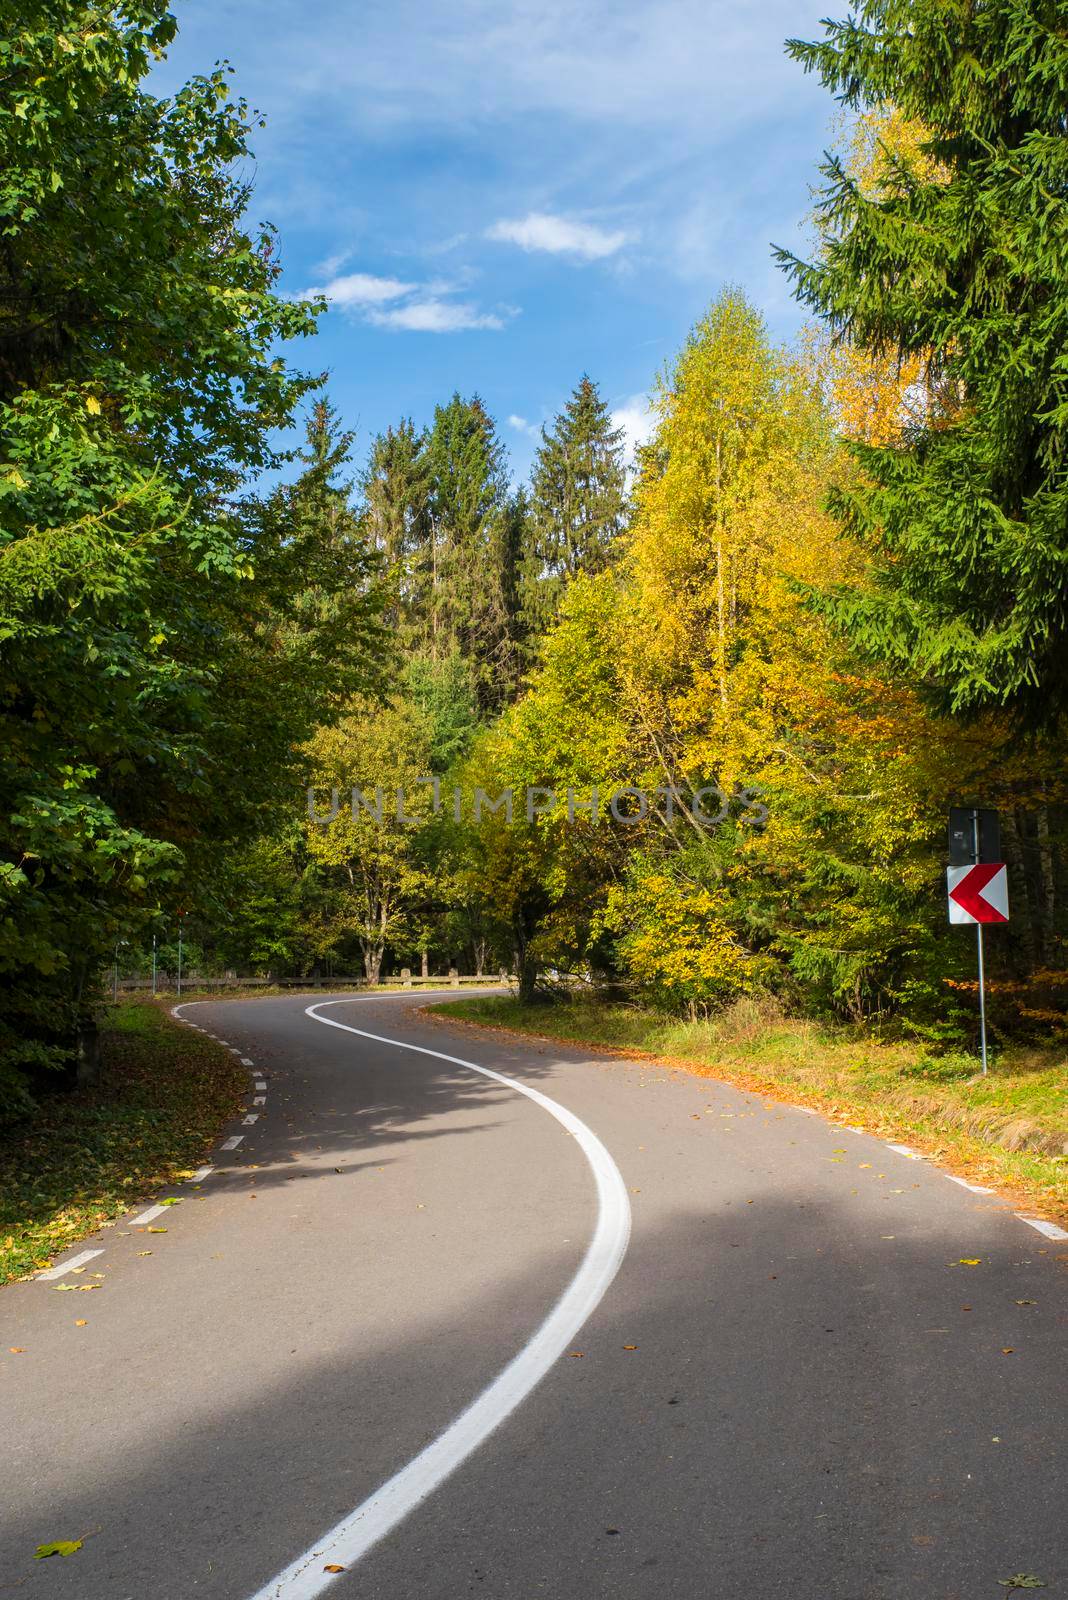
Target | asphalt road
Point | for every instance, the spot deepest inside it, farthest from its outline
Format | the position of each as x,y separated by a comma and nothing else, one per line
793,1386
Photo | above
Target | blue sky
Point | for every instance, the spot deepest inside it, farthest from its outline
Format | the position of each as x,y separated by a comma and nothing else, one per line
498,197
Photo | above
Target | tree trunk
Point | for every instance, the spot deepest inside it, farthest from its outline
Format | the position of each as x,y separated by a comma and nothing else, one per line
88,1069
1047,901
526,970
372,961
1021,892
425,962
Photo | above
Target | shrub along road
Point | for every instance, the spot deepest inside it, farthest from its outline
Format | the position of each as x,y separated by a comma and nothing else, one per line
823,1369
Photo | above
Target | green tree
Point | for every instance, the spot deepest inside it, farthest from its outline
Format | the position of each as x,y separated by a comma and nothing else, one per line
954,253
152,689
474,540
396,486
374,856
578,501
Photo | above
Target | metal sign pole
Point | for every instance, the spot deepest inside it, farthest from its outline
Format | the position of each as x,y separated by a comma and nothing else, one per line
979,944
982,994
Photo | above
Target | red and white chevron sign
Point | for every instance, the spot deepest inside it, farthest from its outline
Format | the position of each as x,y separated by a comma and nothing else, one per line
978,893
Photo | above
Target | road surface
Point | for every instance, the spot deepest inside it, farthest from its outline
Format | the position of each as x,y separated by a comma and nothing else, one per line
411,1276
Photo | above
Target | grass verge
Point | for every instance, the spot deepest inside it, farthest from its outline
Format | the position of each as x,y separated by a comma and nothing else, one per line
82,1158
1009,1129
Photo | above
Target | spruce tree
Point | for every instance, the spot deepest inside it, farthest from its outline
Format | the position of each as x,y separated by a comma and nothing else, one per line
958,255
577,503
396,486
471,607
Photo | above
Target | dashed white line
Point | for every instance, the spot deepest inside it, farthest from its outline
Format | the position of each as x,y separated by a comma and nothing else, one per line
68,1266
233,1142
260,1084
246,1061
148,1216
252,1117
376,1516
200,1174
1050,1229
259,1099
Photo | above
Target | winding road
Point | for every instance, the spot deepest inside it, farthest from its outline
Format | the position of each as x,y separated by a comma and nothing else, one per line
454,1313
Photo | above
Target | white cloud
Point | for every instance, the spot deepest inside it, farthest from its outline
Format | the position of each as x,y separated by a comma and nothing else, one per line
521,425
408,307
435,316
362,289
638,421
556,235
332,265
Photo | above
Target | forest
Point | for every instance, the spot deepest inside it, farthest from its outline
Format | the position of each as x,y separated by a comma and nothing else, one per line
733,684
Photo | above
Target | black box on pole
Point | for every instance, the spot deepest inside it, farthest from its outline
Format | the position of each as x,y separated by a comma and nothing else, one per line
969,826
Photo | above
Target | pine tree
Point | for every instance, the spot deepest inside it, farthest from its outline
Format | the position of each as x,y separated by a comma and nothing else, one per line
472,606
957,255
320,576
578,501
396,487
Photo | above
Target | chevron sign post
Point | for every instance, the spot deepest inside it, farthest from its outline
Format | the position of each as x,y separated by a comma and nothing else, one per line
979,894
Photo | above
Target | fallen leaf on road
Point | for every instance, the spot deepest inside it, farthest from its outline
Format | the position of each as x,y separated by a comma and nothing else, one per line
332,1566
865,1163
576,1353
80,1322
171,1202
59,1547
155,1230
1008,1350
1022,1580
144,1252
967,1261
17,1349
630,1347
1027,1302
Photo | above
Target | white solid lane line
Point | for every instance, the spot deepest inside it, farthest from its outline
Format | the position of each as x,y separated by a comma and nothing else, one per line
68,1266
351,1538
